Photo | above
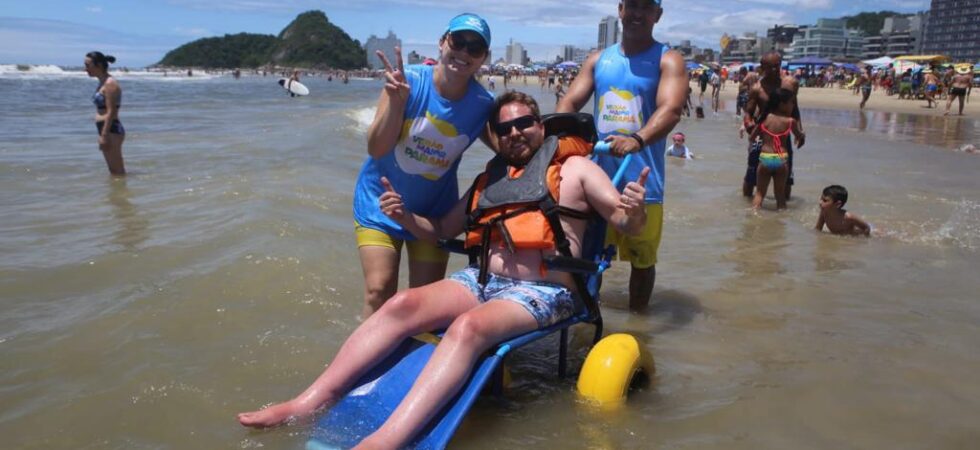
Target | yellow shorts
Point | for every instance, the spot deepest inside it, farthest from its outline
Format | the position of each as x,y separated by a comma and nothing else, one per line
640,250
417,250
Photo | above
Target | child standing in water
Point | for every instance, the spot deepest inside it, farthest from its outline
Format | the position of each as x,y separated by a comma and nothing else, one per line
838,220
775,126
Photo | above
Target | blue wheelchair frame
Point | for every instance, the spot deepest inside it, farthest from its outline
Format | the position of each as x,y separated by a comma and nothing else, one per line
377,394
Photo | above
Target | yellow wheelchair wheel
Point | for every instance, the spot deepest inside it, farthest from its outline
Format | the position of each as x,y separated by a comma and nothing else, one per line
611,367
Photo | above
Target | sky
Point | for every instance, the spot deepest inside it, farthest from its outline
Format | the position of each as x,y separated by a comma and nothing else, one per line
140,32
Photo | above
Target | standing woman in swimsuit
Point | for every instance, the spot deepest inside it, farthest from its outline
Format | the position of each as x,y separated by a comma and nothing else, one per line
865,84
775,127
107,99
427,117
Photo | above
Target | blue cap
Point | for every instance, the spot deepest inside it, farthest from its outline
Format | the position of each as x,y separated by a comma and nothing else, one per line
470,22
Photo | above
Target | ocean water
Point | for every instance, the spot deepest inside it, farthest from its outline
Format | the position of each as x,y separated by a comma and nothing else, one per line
221,275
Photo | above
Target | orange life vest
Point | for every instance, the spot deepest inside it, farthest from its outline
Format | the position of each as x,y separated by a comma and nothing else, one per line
518,207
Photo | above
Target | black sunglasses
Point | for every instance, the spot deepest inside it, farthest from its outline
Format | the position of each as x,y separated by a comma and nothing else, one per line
522,123
474,47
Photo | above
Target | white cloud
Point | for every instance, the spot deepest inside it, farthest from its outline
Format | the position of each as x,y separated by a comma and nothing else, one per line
40,41
192,32
93,9
789,4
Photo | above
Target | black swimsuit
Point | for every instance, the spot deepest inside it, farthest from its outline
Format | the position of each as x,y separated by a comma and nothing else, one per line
99,100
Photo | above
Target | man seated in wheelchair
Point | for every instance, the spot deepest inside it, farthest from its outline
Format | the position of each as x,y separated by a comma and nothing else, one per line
509,293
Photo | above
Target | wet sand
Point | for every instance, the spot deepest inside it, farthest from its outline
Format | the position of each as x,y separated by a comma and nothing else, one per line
221,275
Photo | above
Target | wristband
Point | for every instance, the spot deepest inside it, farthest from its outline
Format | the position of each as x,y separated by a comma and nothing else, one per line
639,140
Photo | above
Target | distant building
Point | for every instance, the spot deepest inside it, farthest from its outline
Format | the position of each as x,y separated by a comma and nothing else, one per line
954,29
579,55
567,53
749,47
830,39
781,36
899,36
608,32
387,45
516,54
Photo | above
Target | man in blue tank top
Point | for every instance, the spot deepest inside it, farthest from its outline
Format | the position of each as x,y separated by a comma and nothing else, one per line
639,88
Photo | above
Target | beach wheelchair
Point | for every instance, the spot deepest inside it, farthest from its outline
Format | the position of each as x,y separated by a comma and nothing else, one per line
612,366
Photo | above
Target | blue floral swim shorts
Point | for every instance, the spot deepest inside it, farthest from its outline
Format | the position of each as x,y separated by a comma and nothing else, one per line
548,302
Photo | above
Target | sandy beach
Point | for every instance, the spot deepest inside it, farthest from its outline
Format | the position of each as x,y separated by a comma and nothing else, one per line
819,98
845,99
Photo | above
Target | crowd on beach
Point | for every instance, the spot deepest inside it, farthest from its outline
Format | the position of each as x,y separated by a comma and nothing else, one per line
407,194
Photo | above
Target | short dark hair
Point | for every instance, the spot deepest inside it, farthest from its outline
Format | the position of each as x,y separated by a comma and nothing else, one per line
100,60
511,97
836,193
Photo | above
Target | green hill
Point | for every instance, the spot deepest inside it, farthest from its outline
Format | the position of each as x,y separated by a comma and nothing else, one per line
232,50
310,40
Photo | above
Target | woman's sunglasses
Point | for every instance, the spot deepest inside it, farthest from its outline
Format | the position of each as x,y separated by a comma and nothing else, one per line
474,47
522,123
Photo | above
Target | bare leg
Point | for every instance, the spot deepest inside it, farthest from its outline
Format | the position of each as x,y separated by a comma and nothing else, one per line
779,186
641,287
380,267
112,152
406,314
469,335
761,186
421,273
962,97
949,102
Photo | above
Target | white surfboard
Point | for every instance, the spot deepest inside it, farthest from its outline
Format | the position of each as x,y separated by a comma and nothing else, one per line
294,87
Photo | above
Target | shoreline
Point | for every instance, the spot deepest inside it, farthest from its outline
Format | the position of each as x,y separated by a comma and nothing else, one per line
843,99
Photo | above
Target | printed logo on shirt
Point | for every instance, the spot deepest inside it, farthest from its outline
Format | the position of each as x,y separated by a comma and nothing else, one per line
619,112
428,146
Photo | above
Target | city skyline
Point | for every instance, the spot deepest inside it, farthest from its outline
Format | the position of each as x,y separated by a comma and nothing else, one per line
60,31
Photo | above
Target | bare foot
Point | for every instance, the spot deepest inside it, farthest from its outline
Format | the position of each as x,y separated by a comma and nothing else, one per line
274,415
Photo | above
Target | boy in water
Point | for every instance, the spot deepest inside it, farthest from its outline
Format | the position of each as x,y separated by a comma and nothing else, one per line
837,219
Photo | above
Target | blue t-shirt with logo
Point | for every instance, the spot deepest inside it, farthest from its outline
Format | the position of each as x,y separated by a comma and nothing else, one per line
625,98
422,165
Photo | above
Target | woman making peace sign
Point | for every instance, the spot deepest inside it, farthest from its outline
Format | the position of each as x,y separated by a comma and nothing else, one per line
427,116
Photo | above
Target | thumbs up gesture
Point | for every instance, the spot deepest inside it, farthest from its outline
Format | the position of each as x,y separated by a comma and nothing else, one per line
631,201
391,202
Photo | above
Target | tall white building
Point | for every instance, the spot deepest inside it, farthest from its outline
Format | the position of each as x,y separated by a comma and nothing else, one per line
387,45
829,38
515,53
608,32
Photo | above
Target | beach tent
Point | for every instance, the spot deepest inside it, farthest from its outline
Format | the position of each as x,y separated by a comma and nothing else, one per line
850,67
902,65
884,61
923,59
810,61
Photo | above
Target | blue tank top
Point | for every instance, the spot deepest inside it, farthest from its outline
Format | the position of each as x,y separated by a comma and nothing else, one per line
422,165
625,98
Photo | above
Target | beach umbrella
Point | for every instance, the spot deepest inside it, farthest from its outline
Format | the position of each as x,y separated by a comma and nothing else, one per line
691,65
430,62
568,64
884,61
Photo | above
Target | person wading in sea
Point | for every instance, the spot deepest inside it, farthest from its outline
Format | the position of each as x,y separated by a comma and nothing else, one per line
771,80
639,89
